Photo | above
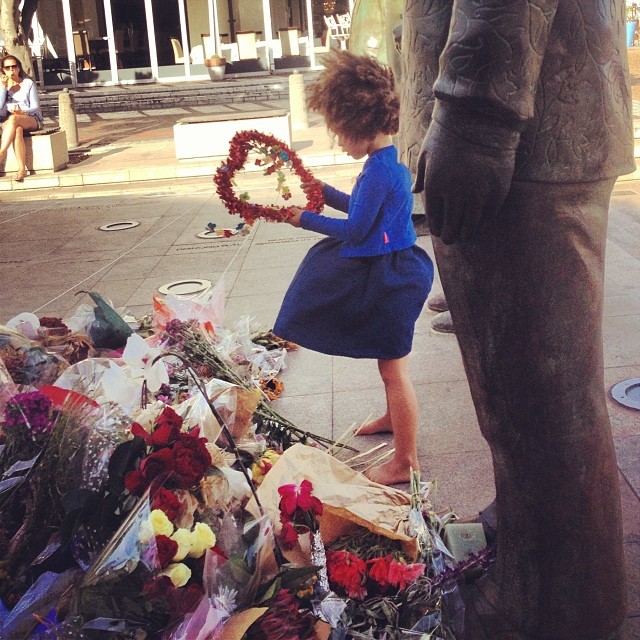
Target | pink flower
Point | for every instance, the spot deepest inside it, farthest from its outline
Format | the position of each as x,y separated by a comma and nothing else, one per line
288,535
294,497
401,575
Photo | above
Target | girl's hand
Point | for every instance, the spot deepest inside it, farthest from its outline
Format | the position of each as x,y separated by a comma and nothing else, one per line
4,80
294,218
311,184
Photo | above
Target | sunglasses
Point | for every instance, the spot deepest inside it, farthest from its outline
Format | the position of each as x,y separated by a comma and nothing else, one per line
11,66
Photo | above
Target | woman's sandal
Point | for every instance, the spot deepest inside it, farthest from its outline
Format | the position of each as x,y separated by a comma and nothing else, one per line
20,176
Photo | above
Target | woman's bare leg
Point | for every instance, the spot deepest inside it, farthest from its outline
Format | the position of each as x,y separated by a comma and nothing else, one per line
14,128
402,411
20,150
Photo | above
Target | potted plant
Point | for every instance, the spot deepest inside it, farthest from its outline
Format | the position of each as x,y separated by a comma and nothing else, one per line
216,67
632,22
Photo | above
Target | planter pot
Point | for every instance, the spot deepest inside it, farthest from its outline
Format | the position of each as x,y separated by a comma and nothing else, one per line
631,31
216,73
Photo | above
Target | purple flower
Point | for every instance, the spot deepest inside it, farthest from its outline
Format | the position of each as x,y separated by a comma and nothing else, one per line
30,411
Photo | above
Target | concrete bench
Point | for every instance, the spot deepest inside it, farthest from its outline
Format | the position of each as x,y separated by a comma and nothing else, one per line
209,135
46,151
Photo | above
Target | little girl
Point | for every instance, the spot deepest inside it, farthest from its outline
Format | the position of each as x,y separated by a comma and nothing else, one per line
359,291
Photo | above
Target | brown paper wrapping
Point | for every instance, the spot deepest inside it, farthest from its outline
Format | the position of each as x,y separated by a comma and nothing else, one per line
349,498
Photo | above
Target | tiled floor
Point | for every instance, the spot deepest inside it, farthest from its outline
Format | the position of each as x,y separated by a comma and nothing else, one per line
49,251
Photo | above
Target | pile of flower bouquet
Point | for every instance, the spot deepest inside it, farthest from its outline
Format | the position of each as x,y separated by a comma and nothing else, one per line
148,489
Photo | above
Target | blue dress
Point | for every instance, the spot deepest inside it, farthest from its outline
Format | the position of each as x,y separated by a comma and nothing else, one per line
359,292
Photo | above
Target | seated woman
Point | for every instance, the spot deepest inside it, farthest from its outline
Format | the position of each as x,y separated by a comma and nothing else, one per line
19,111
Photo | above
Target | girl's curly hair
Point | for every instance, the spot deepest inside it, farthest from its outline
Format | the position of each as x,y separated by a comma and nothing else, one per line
356,95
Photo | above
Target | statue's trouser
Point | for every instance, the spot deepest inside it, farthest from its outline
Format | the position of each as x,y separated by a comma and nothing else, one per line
526,301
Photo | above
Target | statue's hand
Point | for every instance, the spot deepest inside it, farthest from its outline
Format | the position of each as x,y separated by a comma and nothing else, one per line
465,182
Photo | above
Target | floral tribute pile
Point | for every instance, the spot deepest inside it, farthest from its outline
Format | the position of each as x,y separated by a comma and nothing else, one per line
275,156
149,489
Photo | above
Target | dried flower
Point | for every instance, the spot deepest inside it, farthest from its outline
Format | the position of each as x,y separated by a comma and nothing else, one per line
275,155
283,620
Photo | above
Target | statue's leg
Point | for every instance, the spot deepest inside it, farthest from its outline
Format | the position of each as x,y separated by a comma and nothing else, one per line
526,300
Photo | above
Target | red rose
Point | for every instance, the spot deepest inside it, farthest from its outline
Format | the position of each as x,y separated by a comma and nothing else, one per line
135,482
167,429
170,417
158,465
184,600
158,588
192,460
168,502
167,548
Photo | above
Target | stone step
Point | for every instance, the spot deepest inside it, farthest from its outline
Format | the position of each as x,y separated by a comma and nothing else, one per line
166,96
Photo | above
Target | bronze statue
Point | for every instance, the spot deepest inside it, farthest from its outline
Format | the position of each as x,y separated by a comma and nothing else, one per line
516,120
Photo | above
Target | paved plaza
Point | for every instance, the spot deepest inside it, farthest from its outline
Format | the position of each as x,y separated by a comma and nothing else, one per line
51,247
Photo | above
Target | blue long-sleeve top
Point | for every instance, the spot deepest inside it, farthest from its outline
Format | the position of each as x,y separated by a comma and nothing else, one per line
378,209
25,99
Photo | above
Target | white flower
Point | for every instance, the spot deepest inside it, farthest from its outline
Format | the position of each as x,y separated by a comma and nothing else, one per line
226,599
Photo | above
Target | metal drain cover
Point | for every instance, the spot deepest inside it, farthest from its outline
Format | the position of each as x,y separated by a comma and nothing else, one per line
185,287
119,226
627,393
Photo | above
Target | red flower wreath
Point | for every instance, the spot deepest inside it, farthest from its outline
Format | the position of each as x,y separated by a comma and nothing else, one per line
275,155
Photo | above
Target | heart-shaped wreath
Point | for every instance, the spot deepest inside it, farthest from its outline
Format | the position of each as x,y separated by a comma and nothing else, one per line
275,156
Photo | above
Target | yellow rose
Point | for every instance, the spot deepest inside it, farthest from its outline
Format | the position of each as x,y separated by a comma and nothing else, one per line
183,538
202,538
178,573
161,525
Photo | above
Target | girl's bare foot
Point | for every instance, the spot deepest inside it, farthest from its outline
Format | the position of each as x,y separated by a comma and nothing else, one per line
379,425
391,472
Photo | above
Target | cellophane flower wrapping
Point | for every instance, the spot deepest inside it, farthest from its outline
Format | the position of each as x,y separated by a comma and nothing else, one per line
388,582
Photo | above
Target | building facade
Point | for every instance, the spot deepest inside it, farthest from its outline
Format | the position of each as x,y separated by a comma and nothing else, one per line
102,42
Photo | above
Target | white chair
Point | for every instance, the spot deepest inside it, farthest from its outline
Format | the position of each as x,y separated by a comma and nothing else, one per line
207,43
247,49
178,54
335,31
197,54
82,50
344,20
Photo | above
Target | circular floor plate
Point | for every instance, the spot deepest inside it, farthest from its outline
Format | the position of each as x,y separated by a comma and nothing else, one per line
185,287
216,234
119,226
627,393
